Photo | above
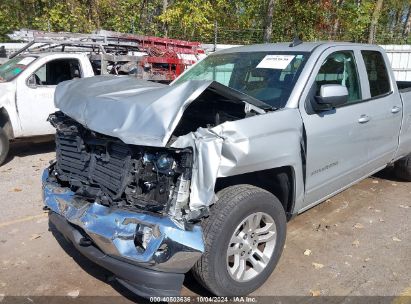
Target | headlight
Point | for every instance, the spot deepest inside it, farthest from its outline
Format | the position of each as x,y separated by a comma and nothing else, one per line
164,162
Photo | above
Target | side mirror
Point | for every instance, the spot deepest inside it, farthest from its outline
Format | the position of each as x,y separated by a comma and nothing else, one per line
331,96
31,82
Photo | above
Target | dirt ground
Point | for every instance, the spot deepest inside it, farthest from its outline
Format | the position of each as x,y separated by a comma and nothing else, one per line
356,243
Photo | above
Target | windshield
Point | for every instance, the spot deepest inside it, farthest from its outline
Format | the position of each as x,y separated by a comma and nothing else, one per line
267,76
13,67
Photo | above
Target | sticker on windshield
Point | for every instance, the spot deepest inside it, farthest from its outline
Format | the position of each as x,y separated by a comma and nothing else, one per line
26,60
278,62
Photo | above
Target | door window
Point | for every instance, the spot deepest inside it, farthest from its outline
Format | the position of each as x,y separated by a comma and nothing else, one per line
340,68
377,73
56,71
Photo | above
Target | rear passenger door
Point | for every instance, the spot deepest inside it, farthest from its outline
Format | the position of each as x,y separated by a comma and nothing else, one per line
384,108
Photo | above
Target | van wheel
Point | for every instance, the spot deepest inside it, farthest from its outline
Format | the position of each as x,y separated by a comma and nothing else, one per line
4,146
402,168
244,237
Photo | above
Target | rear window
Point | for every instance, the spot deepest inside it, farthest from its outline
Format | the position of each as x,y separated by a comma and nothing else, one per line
377,73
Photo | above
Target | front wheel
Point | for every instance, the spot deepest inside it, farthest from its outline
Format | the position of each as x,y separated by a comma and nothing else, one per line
244,238
4,146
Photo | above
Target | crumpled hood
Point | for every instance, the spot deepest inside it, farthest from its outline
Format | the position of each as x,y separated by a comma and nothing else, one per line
138,112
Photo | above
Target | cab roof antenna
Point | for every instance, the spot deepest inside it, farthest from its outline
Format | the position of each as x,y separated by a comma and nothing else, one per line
297,41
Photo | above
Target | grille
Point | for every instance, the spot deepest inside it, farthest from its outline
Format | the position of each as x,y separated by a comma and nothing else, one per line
72,159
91,162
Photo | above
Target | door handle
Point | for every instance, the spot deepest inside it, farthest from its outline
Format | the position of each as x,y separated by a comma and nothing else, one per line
364,119
395,109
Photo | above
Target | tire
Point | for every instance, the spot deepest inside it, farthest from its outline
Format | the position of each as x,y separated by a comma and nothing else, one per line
402,168
4,146
215,270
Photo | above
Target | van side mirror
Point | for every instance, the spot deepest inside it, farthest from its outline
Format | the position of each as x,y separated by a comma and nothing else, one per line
331,96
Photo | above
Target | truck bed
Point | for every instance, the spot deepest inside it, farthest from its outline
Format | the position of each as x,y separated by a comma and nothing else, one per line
404,86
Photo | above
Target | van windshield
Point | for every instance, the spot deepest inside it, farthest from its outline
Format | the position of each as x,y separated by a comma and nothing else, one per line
267,76
12,68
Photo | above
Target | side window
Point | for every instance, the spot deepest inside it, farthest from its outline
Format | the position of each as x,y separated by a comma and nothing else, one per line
377,73
340,68
56,71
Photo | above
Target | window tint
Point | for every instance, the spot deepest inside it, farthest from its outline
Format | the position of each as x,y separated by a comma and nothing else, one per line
340,68
56,71
377,73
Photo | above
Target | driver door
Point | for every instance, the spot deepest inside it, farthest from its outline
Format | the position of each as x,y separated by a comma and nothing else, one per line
35,94
337,144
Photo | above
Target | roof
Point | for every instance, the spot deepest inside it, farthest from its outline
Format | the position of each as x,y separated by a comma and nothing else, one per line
285,47
45,54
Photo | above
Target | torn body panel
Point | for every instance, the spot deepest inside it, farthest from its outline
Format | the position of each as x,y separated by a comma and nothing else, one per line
238,147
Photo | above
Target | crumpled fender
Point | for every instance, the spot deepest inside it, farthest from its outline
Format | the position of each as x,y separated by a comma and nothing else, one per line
256,143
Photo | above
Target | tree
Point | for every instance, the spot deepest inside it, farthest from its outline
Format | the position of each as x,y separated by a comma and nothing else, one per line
407,24
268,30
374,21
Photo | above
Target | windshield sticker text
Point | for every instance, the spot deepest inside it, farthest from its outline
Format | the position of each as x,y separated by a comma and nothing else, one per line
278,62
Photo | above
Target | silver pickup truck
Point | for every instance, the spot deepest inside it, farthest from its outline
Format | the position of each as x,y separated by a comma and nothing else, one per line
152,181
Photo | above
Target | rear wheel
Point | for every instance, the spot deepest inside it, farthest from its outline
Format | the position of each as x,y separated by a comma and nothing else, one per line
4,146
402,168
244,238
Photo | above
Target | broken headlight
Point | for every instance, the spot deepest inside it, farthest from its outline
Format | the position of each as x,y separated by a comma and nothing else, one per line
164,162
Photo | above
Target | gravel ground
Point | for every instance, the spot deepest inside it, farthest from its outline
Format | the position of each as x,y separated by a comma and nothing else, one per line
356,243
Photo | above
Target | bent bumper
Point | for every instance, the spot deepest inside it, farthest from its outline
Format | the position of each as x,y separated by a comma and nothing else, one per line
156,271
142,281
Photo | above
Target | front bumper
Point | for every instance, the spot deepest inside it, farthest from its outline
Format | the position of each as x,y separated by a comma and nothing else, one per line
156,271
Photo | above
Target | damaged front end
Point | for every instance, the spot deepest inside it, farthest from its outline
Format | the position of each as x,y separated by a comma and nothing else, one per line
106,170
129,202
134,180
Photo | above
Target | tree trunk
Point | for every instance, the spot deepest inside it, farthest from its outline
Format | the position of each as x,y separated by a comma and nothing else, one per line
165,27
268,28
407,25
374,21
336,26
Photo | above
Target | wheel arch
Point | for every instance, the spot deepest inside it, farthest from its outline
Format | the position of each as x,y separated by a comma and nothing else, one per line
5,123
278,181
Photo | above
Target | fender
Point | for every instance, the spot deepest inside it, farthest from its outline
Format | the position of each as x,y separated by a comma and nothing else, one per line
8,108
243,146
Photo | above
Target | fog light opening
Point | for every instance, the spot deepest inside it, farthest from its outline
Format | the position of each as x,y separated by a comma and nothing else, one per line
143,236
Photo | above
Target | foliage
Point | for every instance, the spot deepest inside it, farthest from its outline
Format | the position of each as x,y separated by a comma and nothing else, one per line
237,21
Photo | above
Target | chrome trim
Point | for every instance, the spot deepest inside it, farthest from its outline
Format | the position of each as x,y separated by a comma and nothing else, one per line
173,249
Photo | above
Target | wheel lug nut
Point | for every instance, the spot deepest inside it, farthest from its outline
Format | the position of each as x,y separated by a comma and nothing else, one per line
243,253
245,236
240,246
